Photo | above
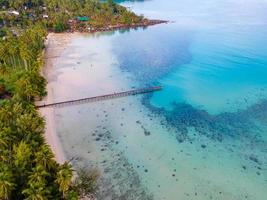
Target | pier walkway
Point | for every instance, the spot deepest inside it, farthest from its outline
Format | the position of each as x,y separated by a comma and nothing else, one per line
103,97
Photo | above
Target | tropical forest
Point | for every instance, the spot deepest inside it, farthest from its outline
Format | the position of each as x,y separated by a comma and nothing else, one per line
28,169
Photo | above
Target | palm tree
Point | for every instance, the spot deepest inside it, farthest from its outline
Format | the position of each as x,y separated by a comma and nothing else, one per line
64,177
6,185
6,114
36,191
22,155
38,174
5,155
3,139
25,54
6,139
45,157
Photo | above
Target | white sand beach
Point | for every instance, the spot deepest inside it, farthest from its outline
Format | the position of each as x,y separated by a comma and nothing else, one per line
55,44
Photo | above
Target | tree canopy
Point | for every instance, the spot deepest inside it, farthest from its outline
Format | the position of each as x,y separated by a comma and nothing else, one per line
59,12
28,169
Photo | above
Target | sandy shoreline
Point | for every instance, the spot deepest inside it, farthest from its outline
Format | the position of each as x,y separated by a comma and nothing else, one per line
55,44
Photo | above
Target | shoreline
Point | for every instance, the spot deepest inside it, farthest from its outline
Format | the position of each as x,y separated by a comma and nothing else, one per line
131,26
144,23
53,49
51,137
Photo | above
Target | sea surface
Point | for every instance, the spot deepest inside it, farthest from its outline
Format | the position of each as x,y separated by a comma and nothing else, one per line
204,135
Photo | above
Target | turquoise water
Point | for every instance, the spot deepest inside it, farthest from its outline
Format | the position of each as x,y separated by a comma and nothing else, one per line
211,57
227,72
212,63
204,136
216,58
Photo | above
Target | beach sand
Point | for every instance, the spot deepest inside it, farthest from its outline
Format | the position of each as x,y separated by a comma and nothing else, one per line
55,45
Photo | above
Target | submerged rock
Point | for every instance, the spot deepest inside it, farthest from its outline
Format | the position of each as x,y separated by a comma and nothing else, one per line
147,133
254,159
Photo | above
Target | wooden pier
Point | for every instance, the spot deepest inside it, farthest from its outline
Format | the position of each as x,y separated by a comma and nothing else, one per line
102,97
50,57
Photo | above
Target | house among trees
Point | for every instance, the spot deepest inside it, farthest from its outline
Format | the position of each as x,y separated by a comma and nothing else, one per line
45,16
83,19
78,23
14,12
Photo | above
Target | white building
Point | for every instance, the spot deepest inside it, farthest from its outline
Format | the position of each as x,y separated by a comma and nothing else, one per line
14,12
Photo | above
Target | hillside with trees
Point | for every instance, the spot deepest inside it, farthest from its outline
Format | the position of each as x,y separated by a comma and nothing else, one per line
62,15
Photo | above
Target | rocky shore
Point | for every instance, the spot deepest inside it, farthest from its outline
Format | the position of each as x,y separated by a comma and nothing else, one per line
91,29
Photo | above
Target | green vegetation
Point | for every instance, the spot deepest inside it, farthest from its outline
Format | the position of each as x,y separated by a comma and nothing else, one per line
27,166
61,15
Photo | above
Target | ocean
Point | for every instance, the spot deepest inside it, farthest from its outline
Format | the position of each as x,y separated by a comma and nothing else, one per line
204,135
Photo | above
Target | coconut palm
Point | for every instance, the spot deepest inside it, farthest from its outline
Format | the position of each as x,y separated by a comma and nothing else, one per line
38,174
3,138
6,184
22,155
45,157
36,191
64,177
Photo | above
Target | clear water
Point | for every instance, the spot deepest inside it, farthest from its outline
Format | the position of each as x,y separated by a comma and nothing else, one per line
204,136
215,49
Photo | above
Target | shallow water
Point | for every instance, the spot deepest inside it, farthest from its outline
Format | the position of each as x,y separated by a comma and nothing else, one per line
204,136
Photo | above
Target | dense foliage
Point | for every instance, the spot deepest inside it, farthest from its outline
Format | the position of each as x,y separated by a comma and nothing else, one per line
58,14
27,166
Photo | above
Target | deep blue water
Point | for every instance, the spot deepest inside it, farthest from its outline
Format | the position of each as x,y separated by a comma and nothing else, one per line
212,56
